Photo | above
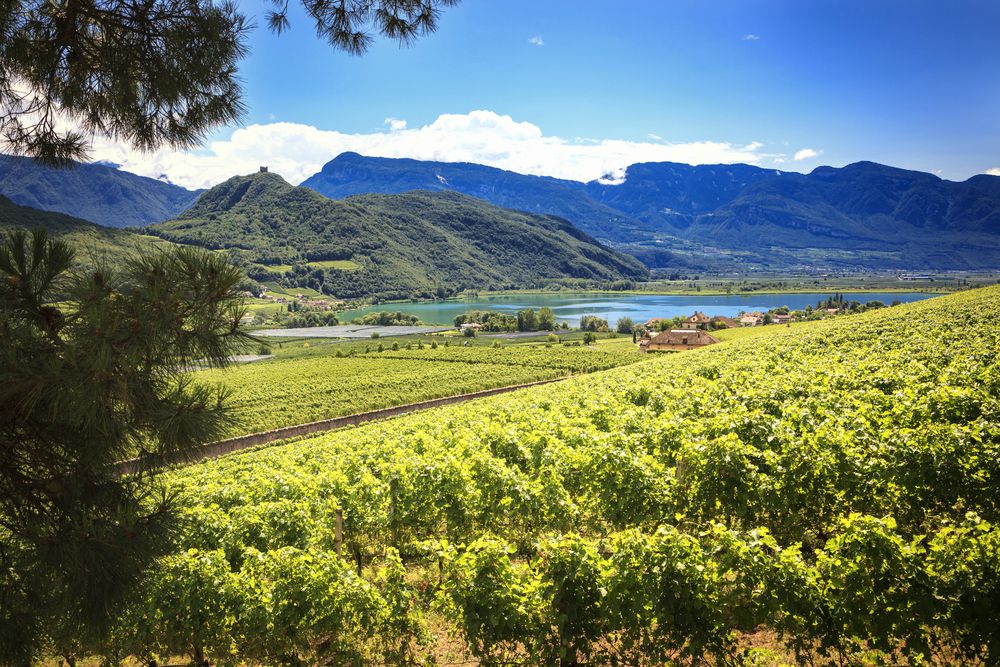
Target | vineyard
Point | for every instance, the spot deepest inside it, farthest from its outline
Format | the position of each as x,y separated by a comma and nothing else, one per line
824,494
312,384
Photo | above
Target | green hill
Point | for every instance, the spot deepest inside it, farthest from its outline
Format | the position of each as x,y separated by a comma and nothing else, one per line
86,238
400,245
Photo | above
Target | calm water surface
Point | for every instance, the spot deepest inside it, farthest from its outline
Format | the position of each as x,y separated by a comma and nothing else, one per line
640,307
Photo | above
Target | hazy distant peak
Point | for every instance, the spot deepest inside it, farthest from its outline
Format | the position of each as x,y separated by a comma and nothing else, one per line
99,192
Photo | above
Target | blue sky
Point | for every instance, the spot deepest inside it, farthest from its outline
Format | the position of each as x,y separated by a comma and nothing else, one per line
910,83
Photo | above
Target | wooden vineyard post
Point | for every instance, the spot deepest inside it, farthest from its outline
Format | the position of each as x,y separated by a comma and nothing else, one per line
338,532
393,519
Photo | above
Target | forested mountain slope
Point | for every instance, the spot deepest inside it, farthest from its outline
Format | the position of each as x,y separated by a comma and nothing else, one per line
864,215
88,240
352,174
395,246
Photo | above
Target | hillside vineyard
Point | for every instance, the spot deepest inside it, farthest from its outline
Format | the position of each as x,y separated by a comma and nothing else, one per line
832,486
268,395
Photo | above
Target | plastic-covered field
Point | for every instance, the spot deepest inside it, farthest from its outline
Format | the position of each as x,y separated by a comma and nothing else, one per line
348,331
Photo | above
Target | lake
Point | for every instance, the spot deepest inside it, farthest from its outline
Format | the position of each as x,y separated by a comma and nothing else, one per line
569,307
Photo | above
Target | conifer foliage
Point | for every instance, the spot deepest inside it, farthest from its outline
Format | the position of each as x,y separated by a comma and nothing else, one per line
152,73
98,378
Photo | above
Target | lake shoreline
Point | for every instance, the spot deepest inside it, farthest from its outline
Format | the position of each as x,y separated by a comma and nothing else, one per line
638,306
708,292
688,292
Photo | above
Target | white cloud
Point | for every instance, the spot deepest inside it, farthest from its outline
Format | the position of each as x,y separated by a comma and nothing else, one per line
297,151
806,153
751,37
395,124
536,40
994,171
614,177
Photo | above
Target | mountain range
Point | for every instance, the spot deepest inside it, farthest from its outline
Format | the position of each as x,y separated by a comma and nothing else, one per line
864,215
668,215
390,246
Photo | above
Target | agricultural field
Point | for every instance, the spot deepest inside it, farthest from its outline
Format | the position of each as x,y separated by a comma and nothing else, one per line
825,494
278,269
276,290
305,383
575,359
309,346
339,264
267,308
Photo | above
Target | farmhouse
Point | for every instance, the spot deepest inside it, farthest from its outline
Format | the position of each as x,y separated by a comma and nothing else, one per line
754,319
697,320
676,340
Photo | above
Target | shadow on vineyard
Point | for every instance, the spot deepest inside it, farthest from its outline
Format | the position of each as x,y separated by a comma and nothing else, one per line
831,486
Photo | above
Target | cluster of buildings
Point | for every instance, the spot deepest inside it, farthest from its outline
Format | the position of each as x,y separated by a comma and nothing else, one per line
699,321
756,319
321,304
694,331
